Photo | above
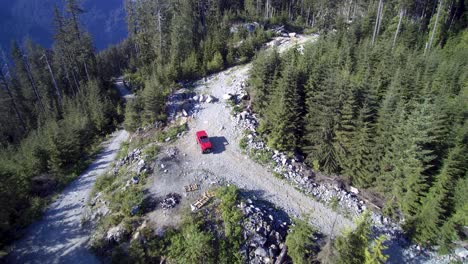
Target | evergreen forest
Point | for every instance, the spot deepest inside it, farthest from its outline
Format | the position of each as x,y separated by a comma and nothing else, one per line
378,101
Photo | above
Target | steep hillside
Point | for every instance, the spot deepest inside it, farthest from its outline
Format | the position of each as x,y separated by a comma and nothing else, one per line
105,20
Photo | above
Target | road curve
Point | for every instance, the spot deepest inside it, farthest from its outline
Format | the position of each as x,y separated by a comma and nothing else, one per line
59,237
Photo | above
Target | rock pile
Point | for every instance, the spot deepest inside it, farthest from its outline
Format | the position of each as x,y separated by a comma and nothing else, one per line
264,232
133,157
116,234
170,201
296,172
185,103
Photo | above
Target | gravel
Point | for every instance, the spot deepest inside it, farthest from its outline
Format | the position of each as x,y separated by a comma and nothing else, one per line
228,162
59,236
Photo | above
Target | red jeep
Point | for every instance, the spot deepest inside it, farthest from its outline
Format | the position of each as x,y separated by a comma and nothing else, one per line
204,141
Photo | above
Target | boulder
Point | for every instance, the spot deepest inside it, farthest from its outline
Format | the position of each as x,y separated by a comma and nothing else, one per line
227,97
116,234
292,35
243,114
210,99
135,180
260,251
184,113
462,253
196,98
354,190
202,98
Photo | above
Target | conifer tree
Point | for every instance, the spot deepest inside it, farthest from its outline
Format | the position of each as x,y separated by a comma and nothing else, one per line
285,112
261,78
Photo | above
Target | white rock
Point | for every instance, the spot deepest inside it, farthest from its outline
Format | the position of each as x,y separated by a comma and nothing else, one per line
202,98
209,99
292,34
354,190
261,252
184,113
196,98
461,253
227,97
162,166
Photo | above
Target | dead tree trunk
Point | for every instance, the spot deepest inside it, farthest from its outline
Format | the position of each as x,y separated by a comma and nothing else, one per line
429,46
52,76
377,21
402,11
86,71
27,67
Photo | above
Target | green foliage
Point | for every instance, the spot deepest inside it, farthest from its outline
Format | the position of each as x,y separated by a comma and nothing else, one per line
192,245
124,200
382,116
153,101
352,246
300,242
134,81
261,156
231,215
132,115
243,143
216,63
375,255
151,151
171,132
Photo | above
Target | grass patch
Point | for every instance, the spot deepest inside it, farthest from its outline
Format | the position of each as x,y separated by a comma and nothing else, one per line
151,151
243,143
334,203
171,133
278,175
261,156
123,151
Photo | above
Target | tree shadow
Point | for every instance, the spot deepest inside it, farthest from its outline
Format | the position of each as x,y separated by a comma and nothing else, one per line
219,144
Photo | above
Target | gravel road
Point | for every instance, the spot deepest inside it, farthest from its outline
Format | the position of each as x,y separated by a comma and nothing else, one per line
59,237
228,162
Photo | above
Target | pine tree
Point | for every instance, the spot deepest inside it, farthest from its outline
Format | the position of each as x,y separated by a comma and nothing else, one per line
345,132
439,201
359,166
375,254
261,79
300,242
352,246
285,112
153,98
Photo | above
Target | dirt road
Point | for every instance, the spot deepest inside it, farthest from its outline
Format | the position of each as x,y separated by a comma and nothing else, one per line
58,237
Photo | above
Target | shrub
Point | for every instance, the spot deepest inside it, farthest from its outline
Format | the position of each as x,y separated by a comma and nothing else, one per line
171,132
151,151
300,242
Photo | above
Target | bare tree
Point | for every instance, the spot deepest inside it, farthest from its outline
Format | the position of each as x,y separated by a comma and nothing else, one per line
434,28
397,31
27,67
377,21
52,76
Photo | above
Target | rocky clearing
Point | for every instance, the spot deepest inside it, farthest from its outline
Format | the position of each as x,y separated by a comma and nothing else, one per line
59,237
228,164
